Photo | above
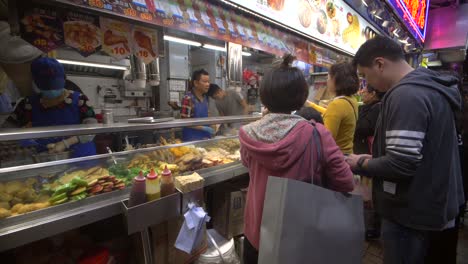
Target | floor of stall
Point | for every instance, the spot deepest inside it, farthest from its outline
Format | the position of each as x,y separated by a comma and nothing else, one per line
374,253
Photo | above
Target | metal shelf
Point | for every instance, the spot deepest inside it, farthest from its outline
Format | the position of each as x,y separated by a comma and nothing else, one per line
91,129
30,227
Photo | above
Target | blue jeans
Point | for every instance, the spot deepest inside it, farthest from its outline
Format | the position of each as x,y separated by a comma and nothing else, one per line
403,245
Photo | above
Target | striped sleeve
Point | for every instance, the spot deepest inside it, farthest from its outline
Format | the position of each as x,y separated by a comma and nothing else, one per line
405,143
406,118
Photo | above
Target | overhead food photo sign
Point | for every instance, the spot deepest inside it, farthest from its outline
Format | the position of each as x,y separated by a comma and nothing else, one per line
414,14
330,21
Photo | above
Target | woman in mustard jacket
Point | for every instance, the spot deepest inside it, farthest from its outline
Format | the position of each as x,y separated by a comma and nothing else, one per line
341,115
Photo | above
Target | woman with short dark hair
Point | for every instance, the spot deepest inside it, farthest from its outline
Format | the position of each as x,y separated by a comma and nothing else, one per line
281,144
341,115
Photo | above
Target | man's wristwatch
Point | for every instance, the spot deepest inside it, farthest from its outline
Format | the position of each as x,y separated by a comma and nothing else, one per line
361,161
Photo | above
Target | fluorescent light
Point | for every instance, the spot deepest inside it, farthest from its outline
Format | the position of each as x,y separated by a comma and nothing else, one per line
92,64
404,41
364,2
247,54
212,47
182,41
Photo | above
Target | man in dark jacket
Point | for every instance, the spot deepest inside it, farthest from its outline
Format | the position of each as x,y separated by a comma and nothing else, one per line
415,164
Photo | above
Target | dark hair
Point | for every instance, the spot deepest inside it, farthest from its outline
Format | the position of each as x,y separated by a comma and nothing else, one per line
308,113
345,77
378,47
284,88
371,89
196,75
214,88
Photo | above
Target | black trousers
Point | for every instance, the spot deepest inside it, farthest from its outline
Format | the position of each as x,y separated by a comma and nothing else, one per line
250,253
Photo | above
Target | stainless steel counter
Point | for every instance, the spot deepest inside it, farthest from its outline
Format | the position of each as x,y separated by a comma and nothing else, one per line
91,129
30,227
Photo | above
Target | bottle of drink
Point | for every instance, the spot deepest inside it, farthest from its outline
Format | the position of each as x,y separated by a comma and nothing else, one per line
167,183
153,186
138,193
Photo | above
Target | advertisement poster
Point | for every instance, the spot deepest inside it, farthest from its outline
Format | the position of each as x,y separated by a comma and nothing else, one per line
115,38
42,28
330,21
82,32
145,43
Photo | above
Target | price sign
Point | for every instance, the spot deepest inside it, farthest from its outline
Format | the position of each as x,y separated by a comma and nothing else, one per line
146,16
96,3
130,12
41,27
82,32
145,43
115,38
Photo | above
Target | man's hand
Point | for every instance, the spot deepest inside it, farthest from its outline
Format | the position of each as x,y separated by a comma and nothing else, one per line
353,159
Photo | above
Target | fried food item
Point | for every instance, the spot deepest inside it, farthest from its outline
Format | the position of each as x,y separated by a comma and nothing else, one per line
4,213
12,187
305,13
5,205
2,187
81,33
5,197
331,10
277,5
16,207
144,42
351,34
189,183
35,24
27,195
26,208
111,39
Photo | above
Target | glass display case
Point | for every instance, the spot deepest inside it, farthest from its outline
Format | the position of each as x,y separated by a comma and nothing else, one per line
56,193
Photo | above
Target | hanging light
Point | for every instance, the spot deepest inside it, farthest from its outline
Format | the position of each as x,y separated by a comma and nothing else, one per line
213,47
182,41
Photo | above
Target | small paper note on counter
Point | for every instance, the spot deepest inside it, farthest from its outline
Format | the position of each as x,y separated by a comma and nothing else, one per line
190,235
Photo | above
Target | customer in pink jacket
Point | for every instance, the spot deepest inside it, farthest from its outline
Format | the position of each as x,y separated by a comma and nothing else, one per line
281,144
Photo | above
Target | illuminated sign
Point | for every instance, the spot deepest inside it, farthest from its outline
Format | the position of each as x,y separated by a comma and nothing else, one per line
332,23
414,14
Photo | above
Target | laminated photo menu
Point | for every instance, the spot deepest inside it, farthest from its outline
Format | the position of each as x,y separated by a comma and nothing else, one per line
82,33
115,38
145,43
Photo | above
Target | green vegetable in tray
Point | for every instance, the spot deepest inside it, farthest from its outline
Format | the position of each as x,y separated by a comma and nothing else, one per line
79,197
68,187
60,201
119,170
78,181
58,197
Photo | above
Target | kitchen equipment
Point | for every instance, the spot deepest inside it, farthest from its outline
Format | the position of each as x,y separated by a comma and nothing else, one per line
107,116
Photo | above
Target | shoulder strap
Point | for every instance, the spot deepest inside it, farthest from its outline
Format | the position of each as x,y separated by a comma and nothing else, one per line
318,147
352,106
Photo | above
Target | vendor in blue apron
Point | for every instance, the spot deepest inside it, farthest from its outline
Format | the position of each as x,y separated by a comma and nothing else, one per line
195,105
55,106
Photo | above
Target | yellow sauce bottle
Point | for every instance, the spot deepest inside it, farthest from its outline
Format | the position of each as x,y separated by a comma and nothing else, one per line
153,186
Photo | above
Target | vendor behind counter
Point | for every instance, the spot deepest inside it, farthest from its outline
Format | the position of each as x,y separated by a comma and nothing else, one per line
53,106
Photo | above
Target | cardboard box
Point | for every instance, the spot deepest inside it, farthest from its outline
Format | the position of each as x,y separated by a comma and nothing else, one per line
228,211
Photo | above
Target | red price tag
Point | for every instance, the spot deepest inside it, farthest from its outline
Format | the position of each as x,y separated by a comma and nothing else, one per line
96,3
130,12
143,53
40,42
146,16
118,51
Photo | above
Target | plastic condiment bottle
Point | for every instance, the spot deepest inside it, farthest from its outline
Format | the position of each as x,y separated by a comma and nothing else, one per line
153,186
167,183
138,193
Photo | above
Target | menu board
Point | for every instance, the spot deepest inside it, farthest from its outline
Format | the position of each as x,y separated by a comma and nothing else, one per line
115,38
43,28
330,21
82,32
88,33
145,43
